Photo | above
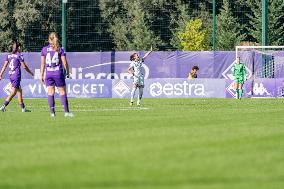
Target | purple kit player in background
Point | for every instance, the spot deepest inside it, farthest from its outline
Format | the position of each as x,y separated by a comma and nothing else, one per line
54,62
15,60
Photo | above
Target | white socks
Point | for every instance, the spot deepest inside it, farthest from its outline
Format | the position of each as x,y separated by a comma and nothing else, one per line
132,94
140,94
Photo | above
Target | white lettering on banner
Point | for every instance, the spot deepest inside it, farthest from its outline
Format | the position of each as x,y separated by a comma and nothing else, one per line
168,89
259,89
38,88
76,91
75,88
7,88
88,72
156,89
32,88
178,89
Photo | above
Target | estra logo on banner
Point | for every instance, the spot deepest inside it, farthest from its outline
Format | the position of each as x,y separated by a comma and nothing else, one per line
158,89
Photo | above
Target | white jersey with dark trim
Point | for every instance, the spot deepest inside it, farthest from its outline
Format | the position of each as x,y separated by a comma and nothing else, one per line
137,66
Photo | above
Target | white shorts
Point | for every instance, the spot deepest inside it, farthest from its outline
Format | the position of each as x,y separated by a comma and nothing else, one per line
138,80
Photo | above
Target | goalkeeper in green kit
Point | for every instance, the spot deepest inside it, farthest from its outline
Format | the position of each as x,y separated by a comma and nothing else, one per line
239,73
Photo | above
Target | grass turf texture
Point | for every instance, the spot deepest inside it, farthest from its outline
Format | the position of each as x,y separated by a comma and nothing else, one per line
175,144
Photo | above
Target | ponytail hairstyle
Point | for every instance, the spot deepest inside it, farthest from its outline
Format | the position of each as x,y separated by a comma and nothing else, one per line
54,41
15,47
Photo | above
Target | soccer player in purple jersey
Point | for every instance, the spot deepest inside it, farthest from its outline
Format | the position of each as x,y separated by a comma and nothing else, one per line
54,62
15,60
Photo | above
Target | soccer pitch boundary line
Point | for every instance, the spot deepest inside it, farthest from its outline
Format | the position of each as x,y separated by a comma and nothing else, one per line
111,109
42,109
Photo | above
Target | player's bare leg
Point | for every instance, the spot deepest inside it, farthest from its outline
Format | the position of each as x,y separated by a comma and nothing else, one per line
134,87
13,92
64,101
51,102
20,100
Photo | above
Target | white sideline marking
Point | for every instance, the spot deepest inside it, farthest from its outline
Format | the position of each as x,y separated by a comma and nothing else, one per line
110,109
45,109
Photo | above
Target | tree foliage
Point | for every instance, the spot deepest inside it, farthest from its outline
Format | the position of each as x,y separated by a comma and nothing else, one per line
95,25
229,31
129,24
194,37
16,17
275,20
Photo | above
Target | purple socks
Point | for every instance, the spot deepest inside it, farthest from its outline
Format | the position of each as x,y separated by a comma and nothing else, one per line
51,104
22,106
6,103
64,102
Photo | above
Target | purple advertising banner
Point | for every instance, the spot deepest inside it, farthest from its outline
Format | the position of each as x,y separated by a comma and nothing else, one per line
172,64
259,88
75,88
154,88
173,88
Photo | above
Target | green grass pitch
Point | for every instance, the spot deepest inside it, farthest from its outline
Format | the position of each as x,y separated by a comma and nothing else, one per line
168,144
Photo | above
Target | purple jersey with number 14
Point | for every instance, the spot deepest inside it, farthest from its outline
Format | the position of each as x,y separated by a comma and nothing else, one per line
54,68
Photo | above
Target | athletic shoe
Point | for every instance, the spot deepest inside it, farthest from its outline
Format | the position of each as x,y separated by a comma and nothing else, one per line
131,104
25,110
52,115
68,114
3,109
138,104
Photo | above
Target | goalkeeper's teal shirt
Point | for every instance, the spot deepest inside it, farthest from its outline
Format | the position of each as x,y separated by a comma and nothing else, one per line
239,71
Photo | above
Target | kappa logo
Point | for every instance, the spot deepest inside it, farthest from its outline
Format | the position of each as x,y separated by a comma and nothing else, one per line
121,89
227,74
260,90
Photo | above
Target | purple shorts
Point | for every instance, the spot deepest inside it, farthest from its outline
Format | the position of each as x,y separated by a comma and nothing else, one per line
57,81
16,83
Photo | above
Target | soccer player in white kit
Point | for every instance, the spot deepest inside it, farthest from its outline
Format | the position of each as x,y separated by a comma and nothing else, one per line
135,68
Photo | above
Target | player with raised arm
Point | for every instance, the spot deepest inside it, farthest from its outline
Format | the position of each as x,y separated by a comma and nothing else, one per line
54,63
15,61
135,69
239,73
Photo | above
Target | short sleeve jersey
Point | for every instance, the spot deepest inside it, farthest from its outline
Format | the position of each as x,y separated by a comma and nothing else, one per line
14,63
53,61
137,67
